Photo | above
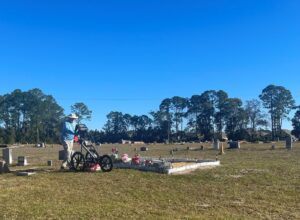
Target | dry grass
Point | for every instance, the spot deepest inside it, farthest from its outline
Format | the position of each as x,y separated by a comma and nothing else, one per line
252,183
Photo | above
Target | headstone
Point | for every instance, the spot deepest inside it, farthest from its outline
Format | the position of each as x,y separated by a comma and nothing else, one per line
216,144
40,145
289,143
61,155
144,149
50,163
22,161
3,167
234,145
7,155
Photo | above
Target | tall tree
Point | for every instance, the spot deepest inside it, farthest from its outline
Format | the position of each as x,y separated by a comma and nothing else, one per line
193,113
220,110
296,123
144,122
30,116
253,109
205,120
116,123
178,105
236,119
166,116
279,101
134,121
256,116
161,130
116,127
141,125
82,111
207,113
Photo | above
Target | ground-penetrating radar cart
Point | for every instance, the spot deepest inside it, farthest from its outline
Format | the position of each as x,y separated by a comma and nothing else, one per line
88,155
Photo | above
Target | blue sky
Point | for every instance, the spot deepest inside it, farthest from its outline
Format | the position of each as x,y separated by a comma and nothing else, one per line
129,55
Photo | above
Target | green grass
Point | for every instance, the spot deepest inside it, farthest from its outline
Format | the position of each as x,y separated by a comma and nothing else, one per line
252,183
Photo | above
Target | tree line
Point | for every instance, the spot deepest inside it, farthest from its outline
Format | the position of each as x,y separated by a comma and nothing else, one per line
32,116
210,115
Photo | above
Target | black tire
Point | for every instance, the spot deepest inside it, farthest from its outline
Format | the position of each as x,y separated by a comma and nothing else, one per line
78,162
106,163
89,159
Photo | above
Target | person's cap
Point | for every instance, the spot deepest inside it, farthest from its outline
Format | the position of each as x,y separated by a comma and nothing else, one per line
73,116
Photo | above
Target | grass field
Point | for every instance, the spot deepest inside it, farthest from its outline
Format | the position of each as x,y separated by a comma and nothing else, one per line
252,183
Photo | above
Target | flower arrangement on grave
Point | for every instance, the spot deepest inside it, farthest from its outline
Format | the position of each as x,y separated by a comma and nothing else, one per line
126,159
136,160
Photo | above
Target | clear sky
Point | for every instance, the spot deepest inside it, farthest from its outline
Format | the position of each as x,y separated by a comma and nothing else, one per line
129,55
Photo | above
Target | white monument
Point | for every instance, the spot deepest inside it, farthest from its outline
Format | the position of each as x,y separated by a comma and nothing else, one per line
7,155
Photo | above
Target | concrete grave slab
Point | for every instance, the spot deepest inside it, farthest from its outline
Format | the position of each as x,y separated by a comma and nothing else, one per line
169,166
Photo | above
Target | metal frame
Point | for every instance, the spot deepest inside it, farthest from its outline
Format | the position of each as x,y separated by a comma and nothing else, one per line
89,149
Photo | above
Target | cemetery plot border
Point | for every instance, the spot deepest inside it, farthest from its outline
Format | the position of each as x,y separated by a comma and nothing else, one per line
169,166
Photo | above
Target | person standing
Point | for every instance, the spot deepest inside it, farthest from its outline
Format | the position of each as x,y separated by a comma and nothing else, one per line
67,138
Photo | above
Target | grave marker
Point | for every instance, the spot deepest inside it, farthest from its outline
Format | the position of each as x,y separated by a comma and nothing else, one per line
289,142
7,155
22,161
235,145
3,167
216,144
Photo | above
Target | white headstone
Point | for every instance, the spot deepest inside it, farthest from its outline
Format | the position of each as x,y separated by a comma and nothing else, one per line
238,145
7,155
216,144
